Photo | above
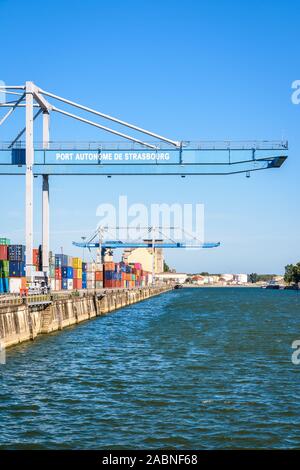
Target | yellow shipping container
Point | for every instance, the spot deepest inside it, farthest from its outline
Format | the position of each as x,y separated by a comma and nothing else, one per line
77,263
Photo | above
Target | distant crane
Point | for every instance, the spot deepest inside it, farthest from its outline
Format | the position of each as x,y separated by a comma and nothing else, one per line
103,245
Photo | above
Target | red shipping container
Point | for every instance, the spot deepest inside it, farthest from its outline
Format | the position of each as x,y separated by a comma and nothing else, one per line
77,283
99,275
35,256
58,274
3,252
108,283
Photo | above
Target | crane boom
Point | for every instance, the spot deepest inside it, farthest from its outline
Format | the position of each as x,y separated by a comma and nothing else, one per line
120,244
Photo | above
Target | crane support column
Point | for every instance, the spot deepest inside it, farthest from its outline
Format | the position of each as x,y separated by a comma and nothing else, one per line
45,222
29,179
45,200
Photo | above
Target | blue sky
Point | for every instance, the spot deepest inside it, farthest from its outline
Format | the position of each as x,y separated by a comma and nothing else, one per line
188,70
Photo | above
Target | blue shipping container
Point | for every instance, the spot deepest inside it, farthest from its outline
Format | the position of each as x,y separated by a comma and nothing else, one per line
108,275
17,269
57,262
61,260
16,253
84,267
84,284
84,276
64,284
67,272
5,284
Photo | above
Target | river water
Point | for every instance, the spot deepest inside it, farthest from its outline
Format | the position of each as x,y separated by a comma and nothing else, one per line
206,368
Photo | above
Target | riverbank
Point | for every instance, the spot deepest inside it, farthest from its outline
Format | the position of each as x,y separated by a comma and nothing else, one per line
220,285
22,321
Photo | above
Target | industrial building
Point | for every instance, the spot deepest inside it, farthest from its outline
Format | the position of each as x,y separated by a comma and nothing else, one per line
144,256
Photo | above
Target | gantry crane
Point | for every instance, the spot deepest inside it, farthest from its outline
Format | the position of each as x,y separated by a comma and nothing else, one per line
131,156
97,241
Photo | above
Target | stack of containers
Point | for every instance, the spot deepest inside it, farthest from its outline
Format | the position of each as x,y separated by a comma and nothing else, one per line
4,265
77,273
52,271
109,275
16,257
58,272
67,273
84,275
90,276
98,276
36,258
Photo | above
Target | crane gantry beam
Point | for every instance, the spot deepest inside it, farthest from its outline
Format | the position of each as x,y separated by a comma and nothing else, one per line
184,158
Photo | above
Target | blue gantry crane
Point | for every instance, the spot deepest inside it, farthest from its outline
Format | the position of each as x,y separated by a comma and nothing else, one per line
158,240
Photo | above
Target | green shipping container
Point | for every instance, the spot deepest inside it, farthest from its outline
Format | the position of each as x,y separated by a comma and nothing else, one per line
4,268
4,241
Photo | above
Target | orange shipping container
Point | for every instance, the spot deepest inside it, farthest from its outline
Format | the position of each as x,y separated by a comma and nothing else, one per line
77,273
77,283
99,275
109,266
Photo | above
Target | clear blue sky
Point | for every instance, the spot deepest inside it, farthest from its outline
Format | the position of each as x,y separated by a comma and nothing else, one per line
188,70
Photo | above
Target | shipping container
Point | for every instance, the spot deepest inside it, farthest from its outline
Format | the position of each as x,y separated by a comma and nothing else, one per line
99,276
77,284
64,284
99,285
109,266
52,271
16,269
58,284
84,267
90,275
4,268
3,252
16,284
4,285
77,273
58,274
90,284
77,263
108,275
61,260
67,272
36,257
16,253
4,241
70,284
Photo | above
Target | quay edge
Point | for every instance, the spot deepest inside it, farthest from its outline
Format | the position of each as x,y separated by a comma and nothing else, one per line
23,322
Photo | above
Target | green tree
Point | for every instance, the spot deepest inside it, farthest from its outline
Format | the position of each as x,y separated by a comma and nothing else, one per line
292,273
166,268
253,278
